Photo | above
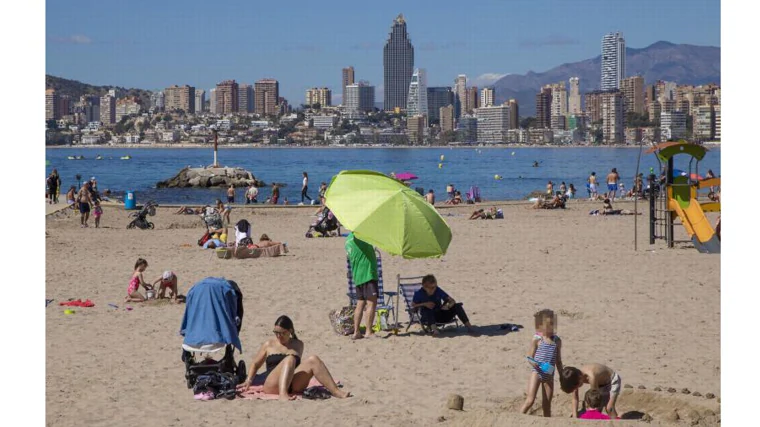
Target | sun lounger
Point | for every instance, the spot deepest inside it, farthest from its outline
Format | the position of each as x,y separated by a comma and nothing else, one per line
407,286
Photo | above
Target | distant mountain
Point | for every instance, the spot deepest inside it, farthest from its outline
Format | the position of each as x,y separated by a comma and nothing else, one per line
680,63
75,89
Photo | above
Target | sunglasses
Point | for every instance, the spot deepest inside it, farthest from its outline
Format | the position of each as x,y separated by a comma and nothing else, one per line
280,333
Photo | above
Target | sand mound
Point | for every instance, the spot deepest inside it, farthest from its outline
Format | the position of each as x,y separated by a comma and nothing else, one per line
640,406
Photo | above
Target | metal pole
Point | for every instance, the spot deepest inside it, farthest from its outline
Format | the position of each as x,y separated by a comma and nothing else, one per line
652,210
636,200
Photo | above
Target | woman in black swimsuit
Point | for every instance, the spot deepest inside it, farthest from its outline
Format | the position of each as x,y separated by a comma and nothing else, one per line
285,372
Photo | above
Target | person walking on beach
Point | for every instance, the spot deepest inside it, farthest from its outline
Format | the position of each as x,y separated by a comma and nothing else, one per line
84,200
251,196
231,194
612,184
593,192
275,193
363,262
54,186
305,187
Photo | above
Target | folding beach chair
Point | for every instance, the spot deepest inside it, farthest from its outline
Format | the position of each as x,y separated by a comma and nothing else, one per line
381,302
407,286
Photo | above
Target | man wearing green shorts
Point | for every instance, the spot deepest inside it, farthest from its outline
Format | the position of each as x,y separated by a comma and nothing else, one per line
361,256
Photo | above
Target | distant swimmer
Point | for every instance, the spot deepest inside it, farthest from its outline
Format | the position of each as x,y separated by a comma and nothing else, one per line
535,163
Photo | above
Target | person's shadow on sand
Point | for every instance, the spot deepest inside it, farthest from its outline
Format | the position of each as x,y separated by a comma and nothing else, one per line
451,332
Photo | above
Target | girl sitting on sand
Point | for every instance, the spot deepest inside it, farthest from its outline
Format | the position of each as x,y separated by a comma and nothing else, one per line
545,347
594,406
137,280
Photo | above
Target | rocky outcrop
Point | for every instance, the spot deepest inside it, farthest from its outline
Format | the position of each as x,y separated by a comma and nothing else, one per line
211,177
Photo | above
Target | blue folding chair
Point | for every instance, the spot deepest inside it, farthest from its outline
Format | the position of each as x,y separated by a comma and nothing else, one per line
407,286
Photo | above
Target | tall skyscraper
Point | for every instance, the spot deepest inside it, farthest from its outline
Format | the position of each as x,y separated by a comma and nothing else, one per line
446,115
227,97
472,99
460,95
613,60
633,91
108,110
267,94
574,100
360,97
245,98
558,105
543,108
347,79
486,97
51,104
321,96
180,98
398,65
200,100
212,101
514,114
493,123
613,117
417,103
650,96
438,97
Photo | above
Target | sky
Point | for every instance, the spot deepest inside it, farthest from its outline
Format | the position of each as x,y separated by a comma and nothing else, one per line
304,44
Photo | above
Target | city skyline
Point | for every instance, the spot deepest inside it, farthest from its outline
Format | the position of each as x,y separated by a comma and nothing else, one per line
96,50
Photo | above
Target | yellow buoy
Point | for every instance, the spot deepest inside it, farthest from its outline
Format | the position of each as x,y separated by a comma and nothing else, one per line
497,177
440,165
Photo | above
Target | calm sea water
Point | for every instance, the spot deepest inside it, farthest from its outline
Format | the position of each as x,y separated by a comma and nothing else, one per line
462,167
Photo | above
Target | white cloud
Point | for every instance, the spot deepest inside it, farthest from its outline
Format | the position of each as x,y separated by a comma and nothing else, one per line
486,79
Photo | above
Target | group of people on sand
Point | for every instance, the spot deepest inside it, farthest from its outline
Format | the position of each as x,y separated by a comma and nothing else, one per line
86,200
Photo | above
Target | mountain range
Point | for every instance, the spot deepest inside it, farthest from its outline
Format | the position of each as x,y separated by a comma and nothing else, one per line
680,63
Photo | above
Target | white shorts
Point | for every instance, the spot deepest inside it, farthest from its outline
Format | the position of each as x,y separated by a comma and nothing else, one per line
613,388
592,187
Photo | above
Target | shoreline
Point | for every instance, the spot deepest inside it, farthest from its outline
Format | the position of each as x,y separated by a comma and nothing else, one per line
311,147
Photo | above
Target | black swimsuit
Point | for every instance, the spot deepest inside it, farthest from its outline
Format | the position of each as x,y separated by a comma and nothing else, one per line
274,359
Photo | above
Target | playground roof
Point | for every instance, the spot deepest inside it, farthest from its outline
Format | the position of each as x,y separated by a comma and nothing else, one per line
667,150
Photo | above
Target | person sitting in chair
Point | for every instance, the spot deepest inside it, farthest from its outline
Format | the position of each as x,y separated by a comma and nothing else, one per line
436,306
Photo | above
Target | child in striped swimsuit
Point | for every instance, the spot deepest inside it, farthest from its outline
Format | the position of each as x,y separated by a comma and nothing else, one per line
545,347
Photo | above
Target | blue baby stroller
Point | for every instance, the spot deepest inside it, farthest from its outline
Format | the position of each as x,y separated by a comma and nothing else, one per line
211,324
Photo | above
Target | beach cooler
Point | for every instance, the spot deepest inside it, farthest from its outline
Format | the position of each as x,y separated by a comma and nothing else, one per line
130,200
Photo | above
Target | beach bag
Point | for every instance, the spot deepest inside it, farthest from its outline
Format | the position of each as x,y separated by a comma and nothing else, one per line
381,320
204,239
219,384
342,320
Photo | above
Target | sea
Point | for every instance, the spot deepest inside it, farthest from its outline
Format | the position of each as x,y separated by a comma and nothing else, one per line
500,173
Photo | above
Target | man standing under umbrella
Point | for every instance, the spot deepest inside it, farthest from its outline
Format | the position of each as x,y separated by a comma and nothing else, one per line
361,256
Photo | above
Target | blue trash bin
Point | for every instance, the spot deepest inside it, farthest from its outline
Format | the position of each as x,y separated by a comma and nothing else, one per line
130,201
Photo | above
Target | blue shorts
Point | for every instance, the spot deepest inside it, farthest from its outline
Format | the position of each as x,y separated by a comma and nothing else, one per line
612,187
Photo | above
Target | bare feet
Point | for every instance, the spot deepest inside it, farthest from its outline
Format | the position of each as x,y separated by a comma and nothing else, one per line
355,337
285,398
342,394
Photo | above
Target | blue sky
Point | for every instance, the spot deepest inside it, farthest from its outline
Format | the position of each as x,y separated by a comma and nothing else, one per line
150,45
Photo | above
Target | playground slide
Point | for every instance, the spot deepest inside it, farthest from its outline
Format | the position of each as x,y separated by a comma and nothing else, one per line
698,227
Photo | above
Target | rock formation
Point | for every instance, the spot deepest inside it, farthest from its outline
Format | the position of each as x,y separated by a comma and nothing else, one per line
211,177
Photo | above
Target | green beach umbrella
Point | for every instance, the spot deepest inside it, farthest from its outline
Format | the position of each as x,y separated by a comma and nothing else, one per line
387,214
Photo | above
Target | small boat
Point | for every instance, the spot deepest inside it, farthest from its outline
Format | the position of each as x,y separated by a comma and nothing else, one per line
125,157
71,158
99,157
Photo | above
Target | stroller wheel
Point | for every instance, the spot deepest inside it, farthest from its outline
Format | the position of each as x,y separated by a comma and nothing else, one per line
131,225
150,226
241,373
309,235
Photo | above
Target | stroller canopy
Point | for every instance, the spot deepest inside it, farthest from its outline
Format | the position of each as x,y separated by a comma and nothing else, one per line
213,313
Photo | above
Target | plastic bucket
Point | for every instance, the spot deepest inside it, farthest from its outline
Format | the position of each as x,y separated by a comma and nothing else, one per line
130,201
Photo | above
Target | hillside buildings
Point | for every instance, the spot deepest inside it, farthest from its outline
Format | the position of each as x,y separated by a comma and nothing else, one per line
227,97
321,96
178,98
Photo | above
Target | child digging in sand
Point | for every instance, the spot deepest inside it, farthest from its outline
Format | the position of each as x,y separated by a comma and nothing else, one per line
594,406
545,347
598,377
137,280
168,280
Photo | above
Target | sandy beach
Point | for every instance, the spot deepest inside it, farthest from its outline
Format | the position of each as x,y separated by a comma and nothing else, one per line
652,315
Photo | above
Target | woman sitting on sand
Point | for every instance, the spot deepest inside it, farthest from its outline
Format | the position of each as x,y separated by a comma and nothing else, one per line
265,242
457,200
285,373
184,210
608,210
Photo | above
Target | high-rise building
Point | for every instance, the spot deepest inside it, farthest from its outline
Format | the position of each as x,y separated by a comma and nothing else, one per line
398,65
180,98
416,126
673,125
472,99
613,60
558,105
63,106
460,95
108,110
245,98
654,110
665,91
543,108
467,128
51,104
437,98
321,96
649,96
157,101
486,97
633,91
594,106
447,118
212,101
716,110
417,103
360,97
574,98
493,123
267,94
514,114
227,97
613,117
347,79
200,100
704,123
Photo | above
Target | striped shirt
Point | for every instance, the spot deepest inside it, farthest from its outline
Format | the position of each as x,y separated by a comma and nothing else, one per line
546,352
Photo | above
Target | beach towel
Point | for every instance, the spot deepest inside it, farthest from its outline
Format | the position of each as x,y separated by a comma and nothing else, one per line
78,303
242,252
256,390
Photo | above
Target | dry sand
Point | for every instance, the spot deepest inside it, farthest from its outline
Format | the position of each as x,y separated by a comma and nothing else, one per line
653,315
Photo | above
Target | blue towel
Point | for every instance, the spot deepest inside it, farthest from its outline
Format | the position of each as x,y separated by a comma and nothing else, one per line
210,314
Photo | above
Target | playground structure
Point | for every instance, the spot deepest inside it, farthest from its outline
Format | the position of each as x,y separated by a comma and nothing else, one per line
674,195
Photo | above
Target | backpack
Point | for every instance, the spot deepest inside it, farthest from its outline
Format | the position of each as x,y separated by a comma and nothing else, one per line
204,239
342,320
